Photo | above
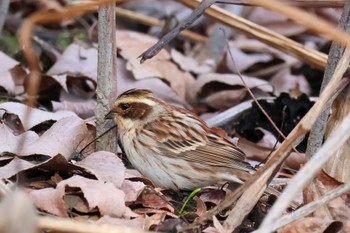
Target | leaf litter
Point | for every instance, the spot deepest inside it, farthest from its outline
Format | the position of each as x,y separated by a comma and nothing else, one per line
99,187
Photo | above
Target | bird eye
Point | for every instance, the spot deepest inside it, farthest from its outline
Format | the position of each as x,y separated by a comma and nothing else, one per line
124,106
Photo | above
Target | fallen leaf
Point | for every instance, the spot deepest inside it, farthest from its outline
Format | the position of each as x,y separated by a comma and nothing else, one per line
104,195
62,138
49,200
244,60
36,116
106,166
189,63
76,60
284,81
132,190
152,199
138,222
132,44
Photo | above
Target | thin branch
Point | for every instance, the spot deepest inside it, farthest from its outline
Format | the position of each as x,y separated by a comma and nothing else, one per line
151,21
310,207
306,174
106,91
71,226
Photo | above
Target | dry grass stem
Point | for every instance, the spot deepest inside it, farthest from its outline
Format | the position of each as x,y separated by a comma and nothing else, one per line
282,43
304,176
310,207
71,226
260,180
151,21
314,164
314,23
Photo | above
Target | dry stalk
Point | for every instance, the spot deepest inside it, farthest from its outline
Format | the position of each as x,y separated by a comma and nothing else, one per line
71,226
310,207
282,43
251,195
151,21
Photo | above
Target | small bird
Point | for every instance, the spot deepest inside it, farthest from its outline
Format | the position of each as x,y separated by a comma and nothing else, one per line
172,146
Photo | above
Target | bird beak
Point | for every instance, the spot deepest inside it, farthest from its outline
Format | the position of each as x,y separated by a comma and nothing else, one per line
110,115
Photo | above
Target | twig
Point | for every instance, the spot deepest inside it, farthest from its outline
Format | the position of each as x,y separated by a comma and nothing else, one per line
259,181
282,43
304,176
106,91
70,226
314,23
315,139
151,52
300,3
151,21
311,168
311,207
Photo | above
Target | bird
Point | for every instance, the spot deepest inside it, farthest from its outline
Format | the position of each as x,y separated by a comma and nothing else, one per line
172,146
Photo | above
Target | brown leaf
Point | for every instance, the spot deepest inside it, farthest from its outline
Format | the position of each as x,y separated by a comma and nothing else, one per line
132,190
259,153
132,44
104,195
83,108
214,83
284,81
16,165
153,199
244,60
307,225
212,195
13,122
27,138
201,207
36,117
158,87
50,200
189,63
225,99
137,223
106,166
76,60
154,220
62,138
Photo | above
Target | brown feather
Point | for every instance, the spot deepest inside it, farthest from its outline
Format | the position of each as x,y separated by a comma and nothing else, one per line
196,143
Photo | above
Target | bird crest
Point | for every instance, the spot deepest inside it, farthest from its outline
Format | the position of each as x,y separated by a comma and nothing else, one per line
136,93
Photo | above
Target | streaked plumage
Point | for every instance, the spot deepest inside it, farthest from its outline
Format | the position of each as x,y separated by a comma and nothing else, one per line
172,146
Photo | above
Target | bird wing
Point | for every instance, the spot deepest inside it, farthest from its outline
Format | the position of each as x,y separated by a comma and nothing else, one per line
186,137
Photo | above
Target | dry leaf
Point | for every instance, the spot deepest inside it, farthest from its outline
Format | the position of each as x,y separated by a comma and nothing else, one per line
36,117
49,200
106,166
76,60
244,60
104,195
132,44
132,190
284,81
